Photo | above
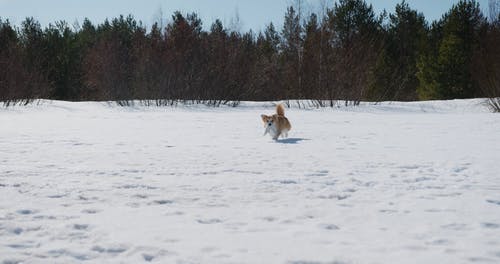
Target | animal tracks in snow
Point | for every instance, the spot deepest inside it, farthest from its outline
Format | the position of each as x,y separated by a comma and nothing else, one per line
495,202
320,173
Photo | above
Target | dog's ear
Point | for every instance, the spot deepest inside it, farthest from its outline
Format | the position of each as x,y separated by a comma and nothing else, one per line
264,117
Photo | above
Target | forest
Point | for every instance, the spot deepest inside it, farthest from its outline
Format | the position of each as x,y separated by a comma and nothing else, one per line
343,54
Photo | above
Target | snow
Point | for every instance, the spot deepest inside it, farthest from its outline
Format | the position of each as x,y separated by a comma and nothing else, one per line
387,183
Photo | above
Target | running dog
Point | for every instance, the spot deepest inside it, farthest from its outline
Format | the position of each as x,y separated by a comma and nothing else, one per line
276,125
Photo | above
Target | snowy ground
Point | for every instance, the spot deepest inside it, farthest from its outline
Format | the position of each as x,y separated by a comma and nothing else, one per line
391,183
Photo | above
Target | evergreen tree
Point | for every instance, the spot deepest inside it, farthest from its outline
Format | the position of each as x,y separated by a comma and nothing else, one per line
85,39
62,61
292,51
427,66
12,73
270,41
34,59
446,74
311,61
183,39
354,18
356,42
486,59
266,83
394,77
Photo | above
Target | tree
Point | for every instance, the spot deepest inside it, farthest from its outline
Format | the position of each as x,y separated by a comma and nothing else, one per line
486,59
356,43
13,76
427,66
34,60
451,64
85,39
109,63
394,76
311,59
217,69
62,62
292,48
266,80
183,39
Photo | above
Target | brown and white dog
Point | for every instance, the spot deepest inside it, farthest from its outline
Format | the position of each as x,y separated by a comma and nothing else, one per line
277,125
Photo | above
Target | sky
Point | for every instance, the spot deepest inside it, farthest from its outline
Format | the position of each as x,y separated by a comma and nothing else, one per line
253,14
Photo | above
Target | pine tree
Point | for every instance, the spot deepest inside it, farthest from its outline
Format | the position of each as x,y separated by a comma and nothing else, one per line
266,82
292,52
34,59
486,59
394,77
446,72
311,59
12,71
356,43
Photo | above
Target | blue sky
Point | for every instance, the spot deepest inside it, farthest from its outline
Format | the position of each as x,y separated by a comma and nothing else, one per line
254,14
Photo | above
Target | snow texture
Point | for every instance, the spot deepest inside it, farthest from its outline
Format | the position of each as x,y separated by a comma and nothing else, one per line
386,183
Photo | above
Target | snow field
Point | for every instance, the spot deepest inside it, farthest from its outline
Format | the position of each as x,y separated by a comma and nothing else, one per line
387,183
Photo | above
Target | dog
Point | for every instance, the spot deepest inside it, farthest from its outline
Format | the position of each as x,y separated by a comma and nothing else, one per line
276,125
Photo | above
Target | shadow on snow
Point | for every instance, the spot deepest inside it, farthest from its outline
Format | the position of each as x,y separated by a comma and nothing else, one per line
291,140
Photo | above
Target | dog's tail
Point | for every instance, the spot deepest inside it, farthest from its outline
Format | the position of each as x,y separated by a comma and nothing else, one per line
280,110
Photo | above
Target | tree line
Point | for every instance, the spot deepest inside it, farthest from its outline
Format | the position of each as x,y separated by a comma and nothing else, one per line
345,53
